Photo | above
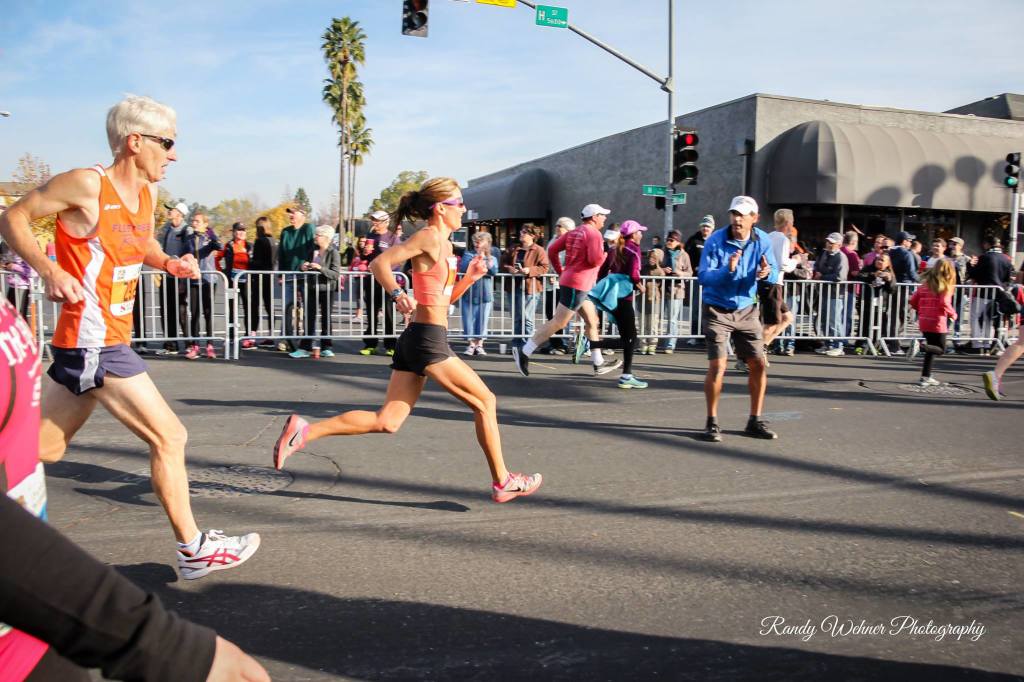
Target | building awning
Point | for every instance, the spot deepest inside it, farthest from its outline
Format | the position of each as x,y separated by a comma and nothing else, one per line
523,196
857,164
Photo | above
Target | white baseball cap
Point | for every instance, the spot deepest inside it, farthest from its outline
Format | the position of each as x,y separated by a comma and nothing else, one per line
591,210
379,215
181,207
611,234
743,205
835,238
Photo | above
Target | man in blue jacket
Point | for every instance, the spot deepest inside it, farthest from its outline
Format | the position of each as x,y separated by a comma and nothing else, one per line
732,262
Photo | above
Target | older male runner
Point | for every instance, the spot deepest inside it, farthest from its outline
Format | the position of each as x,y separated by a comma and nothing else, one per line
104,236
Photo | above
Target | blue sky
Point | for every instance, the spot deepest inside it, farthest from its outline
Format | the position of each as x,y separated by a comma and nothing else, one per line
486,90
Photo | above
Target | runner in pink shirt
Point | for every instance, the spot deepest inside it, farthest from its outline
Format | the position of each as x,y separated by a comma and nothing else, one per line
584,255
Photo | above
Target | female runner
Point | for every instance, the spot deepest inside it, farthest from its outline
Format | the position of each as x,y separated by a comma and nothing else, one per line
423,349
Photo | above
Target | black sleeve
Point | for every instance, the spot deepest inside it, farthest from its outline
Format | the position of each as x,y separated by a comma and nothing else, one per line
90,614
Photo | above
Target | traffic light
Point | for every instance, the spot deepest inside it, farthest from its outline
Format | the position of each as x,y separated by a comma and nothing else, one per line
414,18
684,158
1012,179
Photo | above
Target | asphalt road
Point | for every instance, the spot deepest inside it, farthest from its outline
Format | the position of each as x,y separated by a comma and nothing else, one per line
647,554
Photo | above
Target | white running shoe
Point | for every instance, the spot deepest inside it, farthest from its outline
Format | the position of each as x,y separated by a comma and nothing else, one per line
217,552
926,382
607,366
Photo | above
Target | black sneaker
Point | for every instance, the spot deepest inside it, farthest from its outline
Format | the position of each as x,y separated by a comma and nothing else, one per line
520,358
756,428
712,432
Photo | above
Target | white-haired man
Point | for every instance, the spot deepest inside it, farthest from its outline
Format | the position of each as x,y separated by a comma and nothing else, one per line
104,236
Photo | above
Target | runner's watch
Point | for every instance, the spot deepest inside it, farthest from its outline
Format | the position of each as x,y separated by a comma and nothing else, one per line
396,292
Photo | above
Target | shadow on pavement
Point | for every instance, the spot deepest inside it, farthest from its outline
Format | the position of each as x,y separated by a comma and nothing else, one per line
376,639
136,486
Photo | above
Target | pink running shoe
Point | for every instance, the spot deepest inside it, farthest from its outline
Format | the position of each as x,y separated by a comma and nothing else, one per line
514,486
293,438
210,352
193,352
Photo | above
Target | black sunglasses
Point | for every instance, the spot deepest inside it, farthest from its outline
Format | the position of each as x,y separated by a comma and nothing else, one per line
164,142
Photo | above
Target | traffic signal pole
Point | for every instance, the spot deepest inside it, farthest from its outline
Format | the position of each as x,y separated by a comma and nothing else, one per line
1014,219
666,84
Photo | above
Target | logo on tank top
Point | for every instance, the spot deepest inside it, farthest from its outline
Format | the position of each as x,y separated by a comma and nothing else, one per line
111,207
449,282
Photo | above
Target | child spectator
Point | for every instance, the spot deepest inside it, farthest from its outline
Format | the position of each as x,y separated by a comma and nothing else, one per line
933,302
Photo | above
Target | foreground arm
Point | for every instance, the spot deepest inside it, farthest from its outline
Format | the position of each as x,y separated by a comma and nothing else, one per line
77,189
381,265
475,269
90,614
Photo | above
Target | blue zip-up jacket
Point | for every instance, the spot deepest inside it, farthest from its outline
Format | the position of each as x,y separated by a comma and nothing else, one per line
734,290
482,290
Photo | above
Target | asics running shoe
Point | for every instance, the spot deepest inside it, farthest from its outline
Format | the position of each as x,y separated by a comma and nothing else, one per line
217,552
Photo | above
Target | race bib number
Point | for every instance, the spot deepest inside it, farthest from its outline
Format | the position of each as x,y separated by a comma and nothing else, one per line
30,493
124,283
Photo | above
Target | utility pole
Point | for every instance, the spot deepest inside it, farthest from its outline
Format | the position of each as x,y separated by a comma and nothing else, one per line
669,87
666,84
1014,220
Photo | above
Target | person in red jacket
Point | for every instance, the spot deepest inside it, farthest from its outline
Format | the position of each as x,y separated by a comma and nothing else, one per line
933,302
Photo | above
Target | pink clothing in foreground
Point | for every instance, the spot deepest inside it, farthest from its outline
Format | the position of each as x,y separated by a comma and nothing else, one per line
584,254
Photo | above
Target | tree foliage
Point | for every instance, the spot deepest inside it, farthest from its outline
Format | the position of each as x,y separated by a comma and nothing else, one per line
344,47
32,172
302,199
389,196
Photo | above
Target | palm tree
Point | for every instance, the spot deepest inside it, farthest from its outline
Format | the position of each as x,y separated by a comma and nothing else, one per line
343,47
355,121
360,145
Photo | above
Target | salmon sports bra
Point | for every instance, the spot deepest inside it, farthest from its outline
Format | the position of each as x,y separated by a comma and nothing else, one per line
434,287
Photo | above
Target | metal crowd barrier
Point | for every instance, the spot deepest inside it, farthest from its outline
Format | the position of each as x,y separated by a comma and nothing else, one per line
27,297
271,307
288,307
170,311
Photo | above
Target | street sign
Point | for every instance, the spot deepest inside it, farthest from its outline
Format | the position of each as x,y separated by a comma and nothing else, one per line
557,17
655,191
678,198
499,3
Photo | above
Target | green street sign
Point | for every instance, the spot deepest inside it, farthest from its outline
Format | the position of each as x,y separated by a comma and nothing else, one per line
678,198
557,17
655,191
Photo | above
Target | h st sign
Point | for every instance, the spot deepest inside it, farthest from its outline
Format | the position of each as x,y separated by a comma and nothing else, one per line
557,17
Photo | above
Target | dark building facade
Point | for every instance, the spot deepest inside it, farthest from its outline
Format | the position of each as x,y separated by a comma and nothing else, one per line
882,169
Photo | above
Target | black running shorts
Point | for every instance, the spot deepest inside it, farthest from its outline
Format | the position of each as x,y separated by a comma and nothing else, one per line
420,346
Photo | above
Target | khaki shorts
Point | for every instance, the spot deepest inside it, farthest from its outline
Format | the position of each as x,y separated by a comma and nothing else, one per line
743,325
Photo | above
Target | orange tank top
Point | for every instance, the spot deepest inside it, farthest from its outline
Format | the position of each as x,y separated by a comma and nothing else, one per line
107,264
434,287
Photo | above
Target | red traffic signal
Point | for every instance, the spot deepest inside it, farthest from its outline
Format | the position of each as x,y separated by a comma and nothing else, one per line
415,15
684,158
